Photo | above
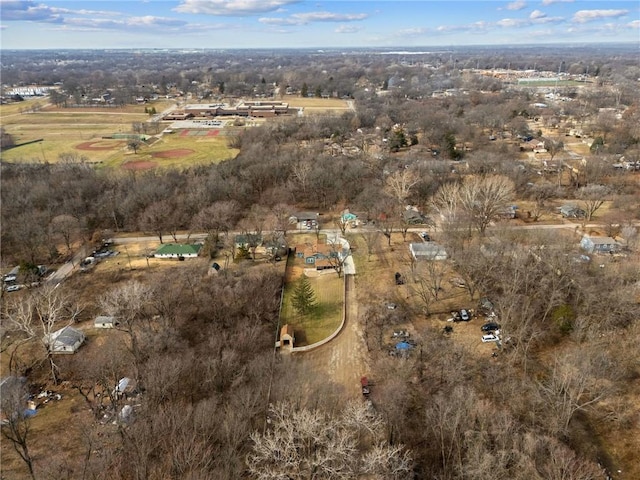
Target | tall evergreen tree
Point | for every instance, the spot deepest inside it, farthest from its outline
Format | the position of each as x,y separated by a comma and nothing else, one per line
304,298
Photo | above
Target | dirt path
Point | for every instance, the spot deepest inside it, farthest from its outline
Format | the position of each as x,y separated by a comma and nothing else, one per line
344,359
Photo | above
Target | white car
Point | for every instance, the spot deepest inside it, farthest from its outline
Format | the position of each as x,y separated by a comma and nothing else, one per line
490,338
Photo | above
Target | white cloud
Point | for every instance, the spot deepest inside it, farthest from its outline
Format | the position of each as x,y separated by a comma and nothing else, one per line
310,17
517,5
147,22
346,29
551,2
634,24
583,16
511,22
537,14
409,32
232,8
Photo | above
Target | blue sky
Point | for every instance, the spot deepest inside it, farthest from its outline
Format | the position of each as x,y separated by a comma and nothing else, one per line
26,24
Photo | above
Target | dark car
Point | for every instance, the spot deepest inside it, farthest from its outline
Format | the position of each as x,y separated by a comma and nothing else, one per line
490,327
464,315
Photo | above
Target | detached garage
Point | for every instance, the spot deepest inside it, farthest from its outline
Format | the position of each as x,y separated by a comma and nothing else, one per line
427,251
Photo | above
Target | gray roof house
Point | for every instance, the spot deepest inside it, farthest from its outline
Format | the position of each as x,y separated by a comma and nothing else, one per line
105,321
572,211
65,340
427,251
599,244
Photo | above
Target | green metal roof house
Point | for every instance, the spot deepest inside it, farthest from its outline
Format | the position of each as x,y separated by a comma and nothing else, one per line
176,250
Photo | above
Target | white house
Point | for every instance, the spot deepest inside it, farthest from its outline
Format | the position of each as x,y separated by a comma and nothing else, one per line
175,250
65,340
427,251
104,321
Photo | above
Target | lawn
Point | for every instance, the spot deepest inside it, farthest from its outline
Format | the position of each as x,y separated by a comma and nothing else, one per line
327,315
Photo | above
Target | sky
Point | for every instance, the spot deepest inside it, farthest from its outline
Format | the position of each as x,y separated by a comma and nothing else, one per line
225,24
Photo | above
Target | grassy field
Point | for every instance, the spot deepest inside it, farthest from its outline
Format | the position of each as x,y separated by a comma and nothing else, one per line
326,317
318,105
74,131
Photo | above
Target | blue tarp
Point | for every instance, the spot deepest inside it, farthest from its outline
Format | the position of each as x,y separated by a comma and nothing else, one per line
28,413
403,346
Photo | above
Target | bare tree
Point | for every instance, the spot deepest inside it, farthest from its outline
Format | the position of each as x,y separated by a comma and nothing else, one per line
575,383
400,183
339,252
485,198
553,146
131,305
370,240
67,226
40,314
446,201
593,197
155,218
317,445
16,426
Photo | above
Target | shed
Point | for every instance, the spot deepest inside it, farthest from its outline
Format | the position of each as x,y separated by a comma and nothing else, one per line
427,251
287,337
176,250
597,244
65,340
105,321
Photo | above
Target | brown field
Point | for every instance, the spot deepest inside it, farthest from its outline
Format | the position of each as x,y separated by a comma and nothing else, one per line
319,105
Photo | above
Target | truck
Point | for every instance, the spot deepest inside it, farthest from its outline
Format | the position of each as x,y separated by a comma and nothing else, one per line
364,382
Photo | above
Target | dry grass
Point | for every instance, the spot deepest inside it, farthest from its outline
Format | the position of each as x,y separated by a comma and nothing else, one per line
314,106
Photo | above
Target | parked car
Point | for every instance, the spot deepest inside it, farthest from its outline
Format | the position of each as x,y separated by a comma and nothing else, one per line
464,315
364,382
490,327
13,288
490,337
392,306
425,236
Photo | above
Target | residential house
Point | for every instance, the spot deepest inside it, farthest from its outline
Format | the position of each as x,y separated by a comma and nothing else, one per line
247,240
596,244
427,251
305,220
532,145
572,211
176,250
412,216
317,256
65,340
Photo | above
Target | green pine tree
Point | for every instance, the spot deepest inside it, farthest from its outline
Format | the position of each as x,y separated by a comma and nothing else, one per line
304,298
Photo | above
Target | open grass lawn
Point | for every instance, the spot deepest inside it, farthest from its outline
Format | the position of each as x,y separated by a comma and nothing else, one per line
175,151
326,317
